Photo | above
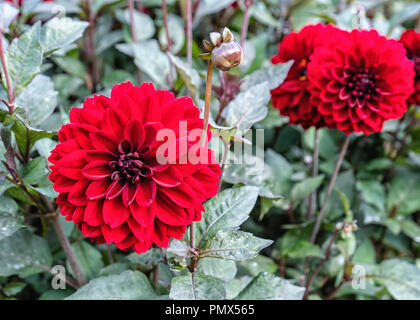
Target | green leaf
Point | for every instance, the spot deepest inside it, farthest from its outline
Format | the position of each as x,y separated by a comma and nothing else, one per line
24,58
226,211
143,24
403,194
294,245
372,192
401,278
90,259
259,264
72,66
60,32
274,74
23,253
302,189
408,11
148,260
38,99
189,75
7,14
235,245
10,220
129,285
34,171
207,7
224,270
248,107
176,34
13,288
411,229
269,287
151,60
197,286
24,134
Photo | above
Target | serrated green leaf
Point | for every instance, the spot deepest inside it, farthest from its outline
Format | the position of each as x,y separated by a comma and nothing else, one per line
222,269
129,285
10,220
38,99
401,278
23,59
23,253
197,286
269,287
302,189
60,32
235,245
90,259
226,211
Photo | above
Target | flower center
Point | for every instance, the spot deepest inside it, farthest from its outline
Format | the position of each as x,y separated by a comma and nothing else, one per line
361,83
129,166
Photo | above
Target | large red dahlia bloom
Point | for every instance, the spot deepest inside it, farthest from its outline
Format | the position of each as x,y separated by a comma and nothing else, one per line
411,41
360,81
292,97
109,176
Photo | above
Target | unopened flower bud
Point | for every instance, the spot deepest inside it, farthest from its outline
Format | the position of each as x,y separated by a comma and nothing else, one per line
227,55
225,52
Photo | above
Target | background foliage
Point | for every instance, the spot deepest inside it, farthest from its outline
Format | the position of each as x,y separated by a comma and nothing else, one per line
60,52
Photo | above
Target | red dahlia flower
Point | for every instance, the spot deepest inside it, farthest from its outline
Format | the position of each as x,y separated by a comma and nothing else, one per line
411,41
20,2
360,81
292,96
109,176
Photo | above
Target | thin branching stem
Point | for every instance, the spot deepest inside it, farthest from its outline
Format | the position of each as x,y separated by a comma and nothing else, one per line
312,204
133,32
10,90
330,188
189,31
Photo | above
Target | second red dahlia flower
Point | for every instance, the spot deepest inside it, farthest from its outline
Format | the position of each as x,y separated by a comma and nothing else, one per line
411,41
360,81
111,181
292,97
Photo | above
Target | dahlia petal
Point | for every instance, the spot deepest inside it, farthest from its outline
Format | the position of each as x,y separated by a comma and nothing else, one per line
115,189
159,235
168,212
174,112
141,246
104,142
134,132
130,193
71,173
97,170
114,122
77,195
78,214
91,231
143,215
171,177
63,184
97,189
114,213
74,159
94,155
115,234
183,195
146,193
151,109
142,233
93,213
363,113
176,232
126,243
